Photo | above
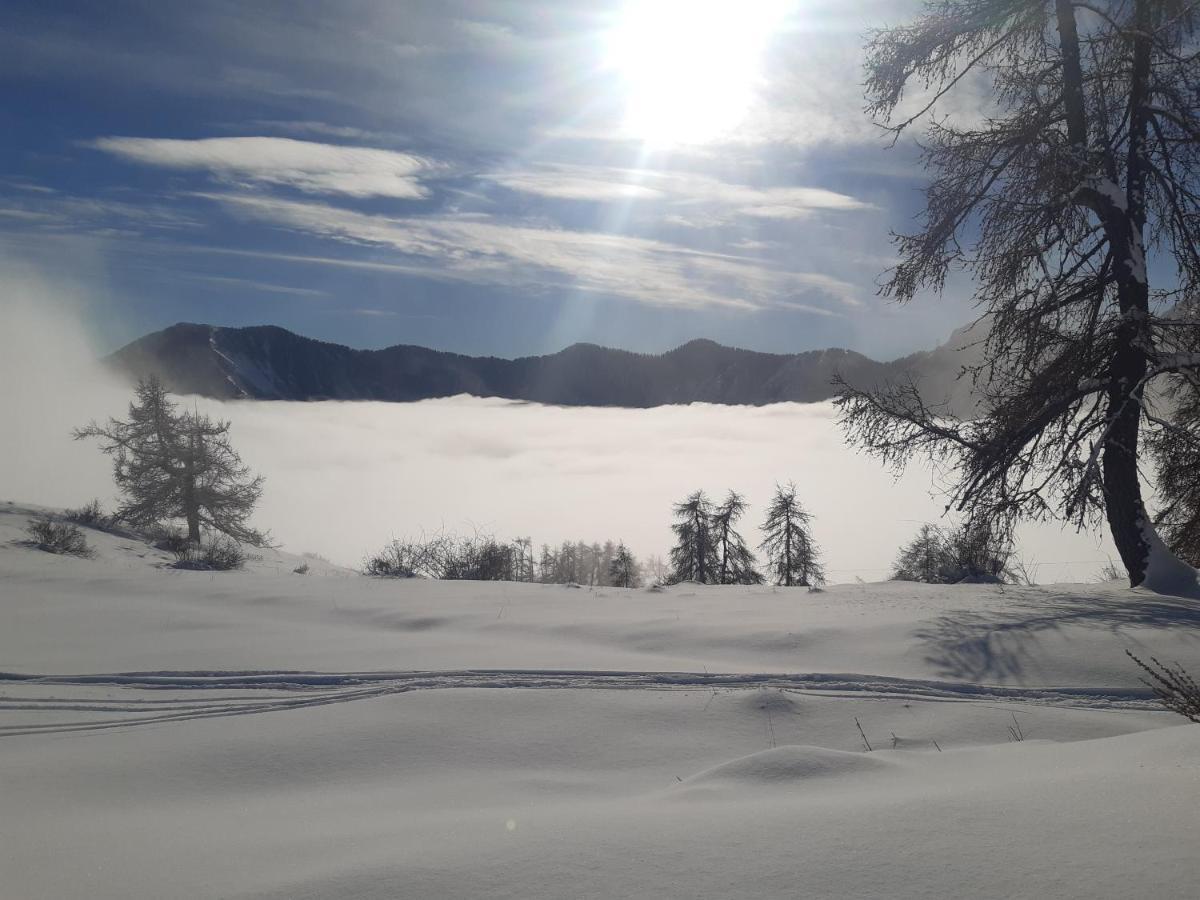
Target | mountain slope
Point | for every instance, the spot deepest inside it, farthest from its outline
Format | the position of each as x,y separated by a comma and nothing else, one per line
270,363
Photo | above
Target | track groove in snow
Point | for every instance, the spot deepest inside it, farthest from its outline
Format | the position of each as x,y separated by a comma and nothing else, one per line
250,692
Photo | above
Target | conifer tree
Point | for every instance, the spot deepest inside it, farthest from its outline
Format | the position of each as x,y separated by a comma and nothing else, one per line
170,465
792,554
926,558
736,563
1175,451
694,556
623,569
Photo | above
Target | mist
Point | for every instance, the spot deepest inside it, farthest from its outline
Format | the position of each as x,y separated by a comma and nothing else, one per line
343,478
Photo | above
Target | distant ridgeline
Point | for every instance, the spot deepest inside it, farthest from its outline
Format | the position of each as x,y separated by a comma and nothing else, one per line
270,363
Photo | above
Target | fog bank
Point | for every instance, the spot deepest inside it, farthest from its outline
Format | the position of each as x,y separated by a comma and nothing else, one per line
342,478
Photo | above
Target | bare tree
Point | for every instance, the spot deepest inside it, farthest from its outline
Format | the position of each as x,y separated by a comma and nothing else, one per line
694,556
736,561
178,466
792,554
1089,157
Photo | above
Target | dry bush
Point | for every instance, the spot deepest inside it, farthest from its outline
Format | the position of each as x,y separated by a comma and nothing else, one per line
1174,688
218,554
58,537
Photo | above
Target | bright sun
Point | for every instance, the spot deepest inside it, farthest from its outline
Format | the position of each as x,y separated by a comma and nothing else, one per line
690,67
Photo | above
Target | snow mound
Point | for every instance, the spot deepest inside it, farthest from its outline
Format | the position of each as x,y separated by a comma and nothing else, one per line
788,765
1165,572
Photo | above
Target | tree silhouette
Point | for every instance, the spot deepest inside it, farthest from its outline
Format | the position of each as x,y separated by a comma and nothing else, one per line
736,561
792,554
623,569
694,556
1088,156
178,466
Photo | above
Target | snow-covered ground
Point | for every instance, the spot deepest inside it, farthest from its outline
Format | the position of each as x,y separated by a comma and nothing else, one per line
268,734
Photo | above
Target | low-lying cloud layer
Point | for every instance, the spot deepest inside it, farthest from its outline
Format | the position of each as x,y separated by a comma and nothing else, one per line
343,478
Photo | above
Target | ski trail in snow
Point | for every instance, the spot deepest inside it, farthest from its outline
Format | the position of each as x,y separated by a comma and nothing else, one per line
251,692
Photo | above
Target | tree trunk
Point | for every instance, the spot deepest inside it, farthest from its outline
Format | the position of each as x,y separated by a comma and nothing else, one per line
1122,488
191,510
191,513
787,552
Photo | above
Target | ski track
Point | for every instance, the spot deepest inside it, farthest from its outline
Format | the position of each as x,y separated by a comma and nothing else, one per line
251,692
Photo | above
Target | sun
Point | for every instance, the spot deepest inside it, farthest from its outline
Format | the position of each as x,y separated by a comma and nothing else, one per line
690,68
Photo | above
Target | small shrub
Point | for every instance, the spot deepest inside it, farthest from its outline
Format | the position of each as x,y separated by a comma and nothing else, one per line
399,559
217,554
90,514
58,537
172,540
1174,687
301,569
1110,572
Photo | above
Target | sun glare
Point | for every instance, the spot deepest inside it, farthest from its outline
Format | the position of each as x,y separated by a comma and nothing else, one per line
690,67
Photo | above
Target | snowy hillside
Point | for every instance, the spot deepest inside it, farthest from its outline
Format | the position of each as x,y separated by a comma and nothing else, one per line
262,733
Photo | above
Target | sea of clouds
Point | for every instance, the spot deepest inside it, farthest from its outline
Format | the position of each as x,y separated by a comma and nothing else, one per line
343,478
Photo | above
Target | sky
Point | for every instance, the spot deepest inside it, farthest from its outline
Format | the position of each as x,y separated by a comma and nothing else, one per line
501,178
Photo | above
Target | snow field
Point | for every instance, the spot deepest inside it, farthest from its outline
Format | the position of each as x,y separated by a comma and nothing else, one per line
270,735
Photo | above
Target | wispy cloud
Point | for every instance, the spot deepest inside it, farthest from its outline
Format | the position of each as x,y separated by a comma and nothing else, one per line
53,211
254,285
713,198
304,165
486,251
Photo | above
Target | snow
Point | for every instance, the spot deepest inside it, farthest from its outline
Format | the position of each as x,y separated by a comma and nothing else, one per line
262,734
1165,572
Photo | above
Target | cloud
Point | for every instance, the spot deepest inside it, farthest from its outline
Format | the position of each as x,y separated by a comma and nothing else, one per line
53,211
563,185
305,165
226,281
711,199
485,251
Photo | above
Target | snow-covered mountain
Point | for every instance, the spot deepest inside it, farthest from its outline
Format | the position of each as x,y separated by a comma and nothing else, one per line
270,363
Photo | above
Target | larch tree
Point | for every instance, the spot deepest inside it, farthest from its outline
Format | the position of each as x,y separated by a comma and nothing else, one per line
694,556
792,554
170,465
1175,452
623,568
926,558
736,562
1088,159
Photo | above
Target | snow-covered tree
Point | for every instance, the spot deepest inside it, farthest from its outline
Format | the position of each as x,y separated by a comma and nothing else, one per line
736,563
694,556
623,568
793,556
169,465
1088,156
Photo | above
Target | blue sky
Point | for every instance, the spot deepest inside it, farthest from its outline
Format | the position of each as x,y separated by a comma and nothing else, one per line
497,177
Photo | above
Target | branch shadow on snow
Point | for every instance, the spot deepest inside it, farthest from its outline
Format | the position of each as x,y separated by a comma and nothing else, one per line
995,645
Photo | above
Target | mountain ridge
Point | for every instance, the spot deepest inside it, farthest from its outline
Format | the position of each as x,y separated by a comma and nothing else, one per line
268,362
